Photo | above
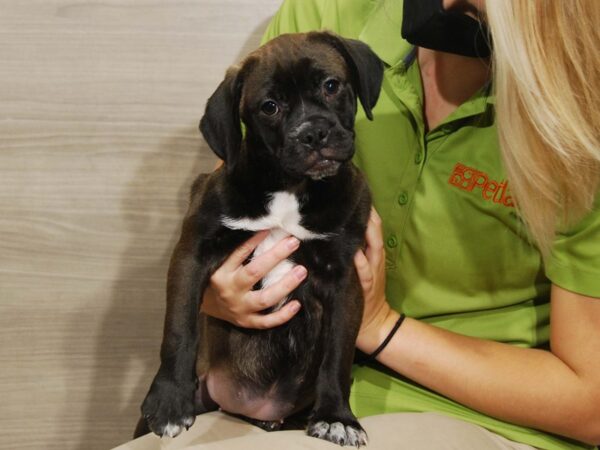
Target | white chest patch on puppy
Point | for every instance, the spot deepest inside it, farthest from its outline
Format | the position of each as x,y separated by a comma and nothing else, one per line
282,219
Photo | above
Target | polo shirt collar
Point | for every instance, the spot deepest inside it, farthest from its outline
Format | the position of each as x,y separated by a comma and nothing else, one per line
382,32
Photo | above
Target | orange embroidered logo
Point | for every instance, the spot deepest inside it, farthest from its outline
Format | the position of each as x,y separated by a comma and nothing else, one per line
469,179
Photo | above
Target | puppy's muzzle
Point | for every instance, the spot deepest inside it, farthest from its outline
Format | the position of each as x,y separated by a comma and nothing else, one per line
324,146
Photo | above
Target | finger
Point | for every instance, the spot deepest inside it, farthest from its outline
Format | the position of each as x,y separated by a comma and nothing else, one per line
248,275
274,319
374,216
374,238
241,253
363,269
270,296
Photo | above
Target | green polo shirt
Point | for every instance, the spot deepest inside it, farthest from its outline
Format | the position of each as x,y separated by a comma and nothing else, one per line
457,254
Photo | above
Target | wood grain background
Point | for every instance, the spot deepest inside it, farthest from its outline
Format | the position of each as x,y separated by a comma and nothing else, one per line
99,106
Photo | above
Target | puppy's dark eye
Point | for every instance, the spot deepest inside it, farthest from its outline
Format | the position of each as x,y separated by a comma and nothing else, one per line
270,108
331,86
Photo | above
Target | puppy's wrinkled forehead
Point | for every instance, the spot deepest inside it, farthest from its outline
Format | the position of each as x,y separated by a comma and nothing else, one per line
290,63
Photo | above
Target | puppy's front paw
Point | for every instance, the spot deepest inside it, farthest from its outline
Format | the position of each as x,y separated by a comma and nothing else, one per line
339,432
169,407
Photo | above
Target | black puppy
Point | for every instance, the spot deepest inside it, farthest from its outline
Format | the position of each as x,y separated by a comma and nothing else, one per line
291,174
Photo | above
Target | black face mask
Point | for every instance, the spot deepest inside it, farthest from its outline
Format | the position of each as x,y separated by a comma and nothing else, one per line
427,24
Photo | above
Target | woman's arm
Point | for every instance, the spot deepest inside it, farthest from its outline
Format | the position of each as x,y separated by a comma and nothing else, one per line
556,391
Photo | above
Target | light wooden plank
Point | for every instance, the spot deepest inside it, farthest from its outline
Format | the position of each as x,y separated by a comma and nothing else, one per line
99,108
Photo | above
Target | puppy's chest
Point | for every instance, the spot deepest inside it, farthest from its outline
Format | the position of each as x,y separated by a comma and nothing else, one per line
283,219
283,214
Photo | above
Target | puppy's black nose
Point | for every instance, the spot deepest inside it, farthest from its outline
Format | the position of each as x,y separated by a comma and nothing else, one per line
315,134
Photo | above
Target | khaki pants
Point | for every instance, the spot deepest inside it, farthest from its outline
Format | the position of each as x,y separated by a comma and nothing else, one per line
400,431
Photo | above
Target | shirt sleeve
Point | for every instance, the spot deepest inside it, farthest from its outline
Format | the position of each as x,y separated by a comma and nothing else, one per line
295,16
574,262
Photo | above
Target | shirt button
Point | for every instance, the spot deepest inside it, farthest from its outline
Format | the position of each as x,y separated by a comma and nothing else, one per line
403,199
392,241
418,157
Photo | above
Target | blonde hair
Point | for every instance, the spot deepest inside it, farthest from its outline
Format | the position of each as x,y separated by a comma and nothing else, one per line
547,79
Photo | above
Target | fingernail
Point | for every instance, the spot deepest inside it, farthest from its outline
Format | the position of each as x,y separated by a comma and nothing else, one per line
300,272
295,306
375,216
292,243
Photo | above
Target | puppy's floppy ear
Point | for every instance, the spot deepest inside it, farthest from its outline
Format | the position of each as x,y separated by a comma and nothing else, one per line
366,69
220,124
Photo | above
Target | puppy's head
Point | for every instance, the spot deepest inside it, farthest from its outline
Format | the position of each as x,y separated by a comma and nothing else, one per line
297,98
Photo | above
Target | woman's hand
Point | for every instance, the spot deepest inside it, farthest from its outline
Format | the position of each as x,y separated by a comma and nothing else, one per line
230,297
378,318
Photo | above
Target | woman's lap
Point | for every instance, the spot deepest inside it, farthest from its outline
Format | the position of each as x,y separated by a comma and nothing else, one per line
411,431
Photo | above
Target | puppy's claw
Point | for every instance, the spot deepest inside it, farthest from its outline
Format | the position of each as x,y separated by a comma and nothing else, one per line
172,430
356,437
337,433
318,430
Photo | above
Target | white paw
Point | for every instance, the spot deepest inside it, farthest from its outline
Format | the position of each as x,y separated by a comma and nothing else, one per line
337,433
173,430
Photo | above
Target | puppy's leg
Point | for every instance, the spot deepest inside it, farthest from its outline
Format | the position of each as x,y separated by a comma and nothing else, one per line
331,418
203,401
169,405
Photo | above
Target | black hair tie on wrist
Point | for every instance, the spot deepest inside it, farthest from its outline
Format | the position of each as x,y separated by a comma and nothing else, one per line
387,339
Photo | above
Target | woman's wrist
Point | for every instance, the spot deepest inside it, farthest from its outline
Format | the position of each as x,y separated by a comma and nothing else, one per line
372,336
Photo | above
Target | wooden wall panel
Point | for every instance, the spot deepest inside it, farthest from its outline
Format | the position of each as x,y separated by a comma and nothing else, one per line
99,106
